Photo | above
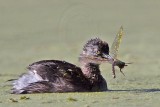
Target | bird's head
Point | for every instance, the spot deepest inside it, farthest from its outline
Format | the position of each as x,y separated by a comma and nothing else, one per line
96,51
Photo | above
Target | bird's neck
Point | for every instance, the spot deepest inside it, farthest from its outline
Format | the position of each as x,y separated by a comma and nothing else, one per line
90,70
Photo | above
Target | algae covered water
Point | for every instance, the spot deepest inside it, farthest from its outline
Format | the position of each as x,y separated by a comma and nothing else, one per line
34,30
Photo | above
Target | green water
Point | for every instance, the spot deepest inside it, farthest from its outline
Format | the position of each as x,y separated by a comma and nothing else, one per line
32,30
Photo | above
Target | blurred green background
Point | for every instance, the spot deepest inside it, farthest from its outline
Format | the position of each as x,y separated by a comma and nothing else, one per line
32,30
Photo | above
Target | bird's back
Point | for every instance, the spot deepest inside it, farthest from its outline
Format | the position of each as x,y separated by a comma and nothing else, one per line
52,76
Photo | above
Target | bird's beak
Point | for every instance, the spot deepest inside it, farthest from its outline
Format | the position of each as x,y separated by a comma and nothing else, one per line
109,58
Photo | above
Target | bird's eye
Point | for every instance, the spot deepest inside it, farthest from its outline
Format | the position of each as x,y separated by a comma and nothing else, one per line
105,49
98,52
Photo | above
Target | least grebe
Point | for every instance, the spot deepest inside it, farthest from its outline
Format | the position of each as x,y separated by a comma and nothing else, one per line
49,76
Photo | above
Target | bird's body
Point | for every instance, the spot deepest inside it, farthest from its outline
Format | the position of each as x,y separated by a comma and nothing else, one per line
53,76
48,76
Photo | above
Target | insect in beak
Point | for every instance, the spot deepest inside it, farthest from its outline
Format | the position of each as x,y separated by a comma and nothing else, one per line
114,53
120,64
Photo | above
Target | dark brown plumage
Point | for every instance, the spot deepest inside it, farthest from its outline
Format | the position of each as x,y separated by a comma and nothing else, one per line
48,76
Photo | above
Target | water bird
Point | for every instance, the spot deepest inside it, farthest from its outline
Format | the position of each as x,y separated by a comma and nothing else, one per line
49,76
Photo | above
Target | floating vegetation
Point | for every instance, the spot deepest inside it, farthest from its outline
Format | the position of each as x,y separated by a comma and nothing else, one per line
21,98
115,98
13,100
95,102
86,106
71,99
24,98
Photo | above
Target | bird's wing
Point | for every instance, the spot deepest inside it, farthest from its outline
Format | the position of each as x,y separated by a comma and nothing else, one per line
53,69
38,87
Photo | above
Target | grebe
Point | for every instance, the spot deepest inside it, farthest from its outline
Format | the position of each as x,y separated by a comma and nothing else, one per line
49,76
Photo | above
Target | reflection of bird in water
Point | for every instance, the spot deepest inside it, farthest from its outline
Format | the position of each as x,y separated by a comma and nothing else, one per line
48,76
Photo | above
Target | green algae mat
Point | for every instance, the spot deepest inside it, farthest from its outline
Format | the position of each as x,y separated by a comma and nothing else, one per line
32,30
